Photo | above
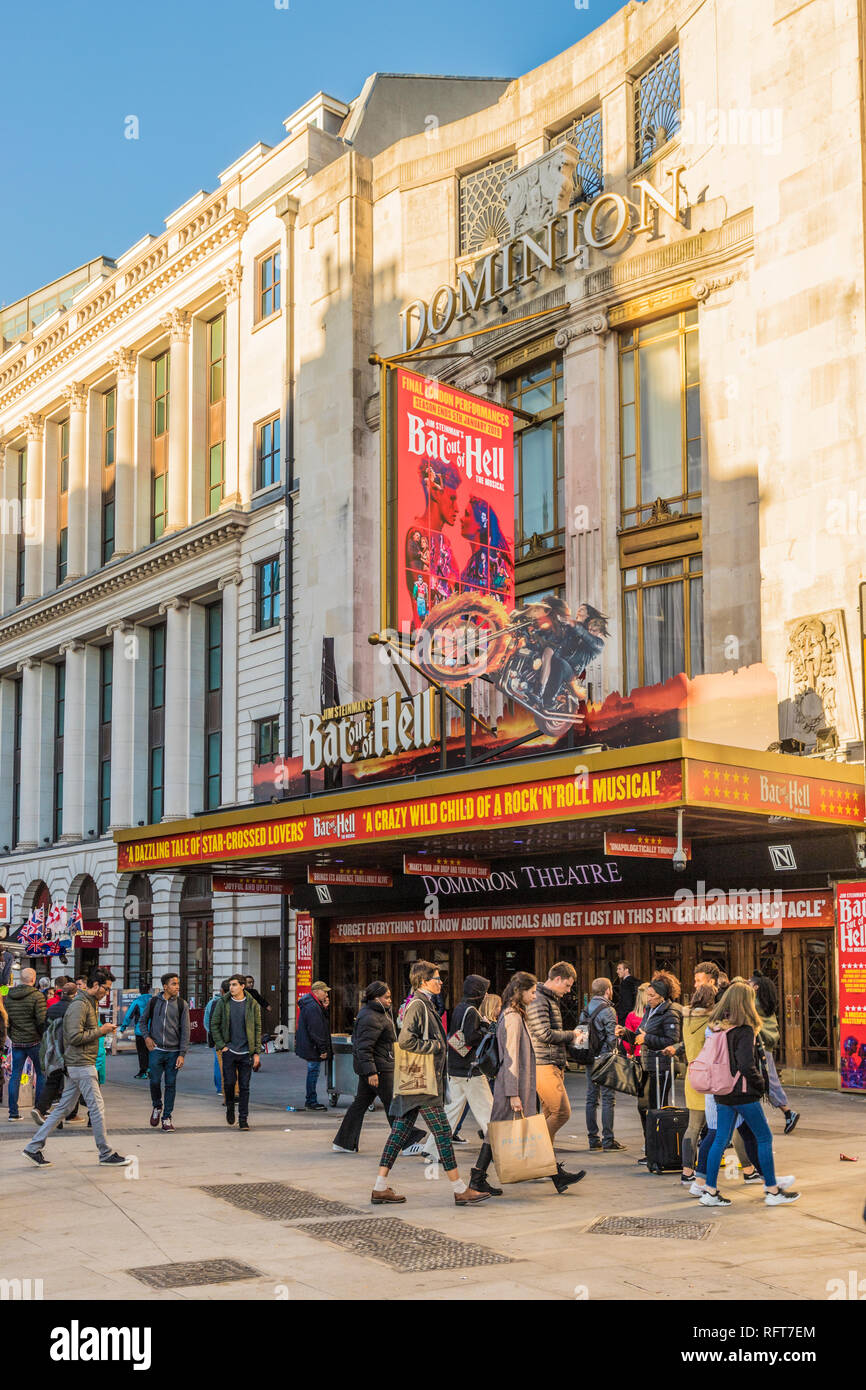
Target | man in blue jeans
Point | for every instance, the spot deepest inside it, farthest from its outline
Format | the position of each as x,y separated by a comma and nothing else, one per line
25,1005
313,1039
166,1037
601,1017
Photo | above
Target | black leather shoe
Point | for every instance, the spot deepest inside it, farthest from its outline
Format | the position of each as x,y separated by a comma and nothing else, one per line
230,1116
315,1105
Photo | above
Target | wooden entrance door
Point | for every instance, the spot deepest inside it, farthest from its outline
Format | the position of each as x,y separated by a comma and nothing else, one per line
800,964
269,981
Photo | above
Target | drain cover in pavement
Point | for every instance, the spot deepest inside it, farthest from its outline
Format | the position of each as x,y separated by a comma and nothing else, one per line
402,1246
650,1226
279,1202
189,1273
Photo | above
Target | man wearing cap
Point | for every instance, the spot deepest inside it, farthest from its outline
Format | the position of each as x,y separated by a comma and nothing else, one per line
313,1038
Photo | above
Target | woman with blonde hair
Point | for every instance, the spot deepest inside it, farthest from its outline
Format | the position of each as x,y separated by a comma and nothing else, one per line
634,1018
736,1016
491,1008
514,1090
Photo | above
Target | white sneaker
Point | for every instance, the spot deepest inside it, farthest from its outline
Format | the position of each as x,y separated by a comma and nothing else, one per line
339,1150
780,1198
413,1151
697,1190
714,1199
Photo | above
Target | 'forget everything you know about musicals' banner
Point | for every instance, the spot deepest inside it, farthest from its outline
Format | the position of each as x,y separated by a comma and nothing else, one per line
455,497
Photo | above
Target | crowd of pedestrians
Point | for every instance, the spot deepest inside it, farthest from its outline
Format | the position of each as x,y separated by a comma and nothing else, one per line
495,1061
498,1060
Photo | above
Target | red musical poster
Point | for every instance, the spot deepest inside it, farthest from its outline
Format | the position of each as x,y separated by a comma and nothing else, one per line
455,497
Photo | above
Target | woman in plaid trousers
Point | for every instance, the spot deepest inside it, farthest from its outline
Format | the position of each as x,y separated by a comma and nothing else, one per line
422,1032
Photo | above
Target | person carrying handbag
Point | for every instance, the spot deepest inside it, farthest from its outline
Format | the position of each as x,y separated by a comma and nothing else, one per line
421,1035
467,1086
601,1017
514,1091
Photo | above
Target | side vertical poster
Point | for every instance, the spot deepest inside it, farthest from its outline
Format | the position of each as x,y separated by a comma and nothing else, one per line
303,955
851,955
455,498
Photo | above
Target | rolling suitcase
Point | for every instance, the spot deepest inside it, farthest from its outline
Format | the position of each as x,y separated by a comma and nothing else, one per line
665,1131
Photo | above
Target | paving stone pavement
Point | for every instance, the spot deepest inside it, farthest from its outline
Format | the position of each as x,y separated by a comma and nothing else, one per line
163,1216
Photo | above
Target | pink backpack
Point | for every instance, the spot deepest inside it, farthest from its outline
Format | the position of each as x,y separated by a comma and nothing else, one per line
710,1073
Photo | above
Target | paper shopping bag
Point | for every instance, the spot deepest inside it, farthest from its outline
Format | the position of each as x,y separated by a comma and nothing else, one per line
521,1148
414,1073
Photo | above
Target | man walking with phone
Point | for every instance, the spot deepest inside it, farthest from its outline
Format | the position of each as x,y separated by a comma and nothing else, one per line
81,1033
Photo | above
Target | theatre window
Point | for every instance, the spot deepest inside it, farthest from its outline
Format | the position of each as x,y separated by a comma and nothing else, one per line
539,476
656,103
660,499
483,222
585,134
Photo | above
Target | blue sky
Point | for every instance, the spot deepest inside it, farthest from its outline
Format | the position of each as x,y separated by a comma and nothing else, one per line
206,79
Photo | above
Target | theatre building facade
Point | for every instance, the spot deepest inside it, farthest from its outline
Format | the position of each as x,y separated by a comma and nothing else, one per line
612,432
640,270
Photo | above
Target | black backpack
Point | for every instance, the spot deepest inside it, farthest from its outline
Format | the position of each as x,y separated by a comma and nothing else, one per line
585,1056
487,1060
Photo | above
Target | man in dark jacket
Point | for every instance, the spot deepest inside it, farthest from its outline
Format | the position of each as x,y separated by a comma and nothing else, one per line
25,1005
55,1080
600,1016
628,988
373,1039
313,1038
166,1036
236,1029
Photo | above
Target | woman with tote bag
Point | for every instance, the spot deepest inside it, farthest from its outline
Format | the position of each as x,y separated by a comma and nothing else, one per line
514,1095
419,1088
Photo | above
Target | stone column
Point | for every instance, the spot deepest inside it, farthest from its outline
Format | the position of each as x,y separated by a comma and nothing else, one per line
176,798
33,519
124,453
75,396
230,586
178,324
37,752
7,758
73,741
8,530
126,653
588,517
231,283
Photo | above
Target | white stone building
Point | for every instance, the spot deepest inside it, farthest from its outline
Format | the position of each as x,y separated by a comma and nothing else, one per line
146,422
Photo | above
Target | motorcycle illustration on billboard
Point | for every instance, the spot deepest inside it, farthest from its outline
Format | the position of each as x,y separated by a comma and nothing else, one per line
536,654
